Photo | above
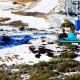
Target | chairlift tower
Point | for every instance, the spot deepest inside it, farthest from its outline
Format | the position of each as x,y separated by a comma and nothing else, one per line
73,7
73,11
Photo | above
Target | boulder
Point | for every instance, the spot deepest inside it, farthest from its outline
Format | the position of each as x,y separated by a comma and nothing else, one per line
32,48
42,49
50,54
37,55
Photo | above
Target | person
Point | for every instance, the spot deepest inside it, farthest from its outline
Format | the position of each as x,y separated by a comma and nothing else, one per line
72,34
78,34
63,34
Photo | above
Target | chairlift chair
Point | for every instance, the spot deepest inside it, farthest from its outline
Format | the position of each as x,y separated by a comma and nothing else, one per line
72,12
69,40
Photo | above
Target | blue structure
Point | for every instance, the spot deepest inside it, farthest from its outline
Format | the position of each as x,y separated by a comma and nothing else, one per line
69,40
14,40
77,25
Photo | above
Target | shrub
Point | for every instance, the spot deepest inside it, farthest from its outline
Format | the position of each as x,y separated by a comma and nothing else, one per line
69,46
68,55
16,23
72,46
42,64
73,77
67,65
57,79
21,28
72,63
51,66
62,67
41,74
77,68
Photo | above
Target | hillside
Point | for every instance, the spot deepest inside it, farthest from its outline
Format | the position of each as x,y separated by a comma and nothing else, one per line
40,7
29,48
40,22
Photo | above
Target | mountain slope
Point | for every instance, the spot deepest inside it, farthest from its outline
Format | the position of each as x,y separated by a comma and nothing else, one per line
44,6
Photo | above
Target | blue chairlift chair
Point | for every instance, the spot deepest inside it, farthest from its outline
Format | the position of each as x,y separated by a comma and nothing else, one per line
77,23
69,40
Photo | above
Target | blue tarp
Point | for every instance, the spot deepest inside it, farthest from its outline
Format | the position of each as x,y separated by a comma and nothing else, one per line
18,40
14,41
77,25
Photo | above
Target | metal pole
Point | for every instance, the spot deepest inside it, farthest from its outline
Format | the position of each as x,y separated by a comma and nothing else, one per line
67,7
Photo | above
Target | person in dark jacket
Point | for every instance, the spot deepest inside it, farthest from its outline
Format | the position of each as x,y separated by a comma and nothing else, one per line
63,34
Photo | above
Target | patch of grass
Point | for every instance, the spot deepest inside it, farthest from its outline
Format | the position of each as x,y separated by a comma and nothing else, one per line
77,68
2,19
73,77
14,24
27,13
68,55
69,46
36,14
39,71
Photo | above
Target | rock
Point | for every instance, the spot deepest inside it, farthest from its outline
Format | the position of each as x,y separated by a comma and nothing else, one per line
15,2
48,50
37,55
28,42
42,49
1,29
32,48
50,54
35,51
65,50
50,42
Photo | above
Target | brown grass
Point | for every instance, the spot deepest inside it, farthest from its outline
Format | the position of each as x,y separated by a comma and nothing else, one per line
42,16
16,56
24,0
14,24
8,58
16,12
4,19
36,14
